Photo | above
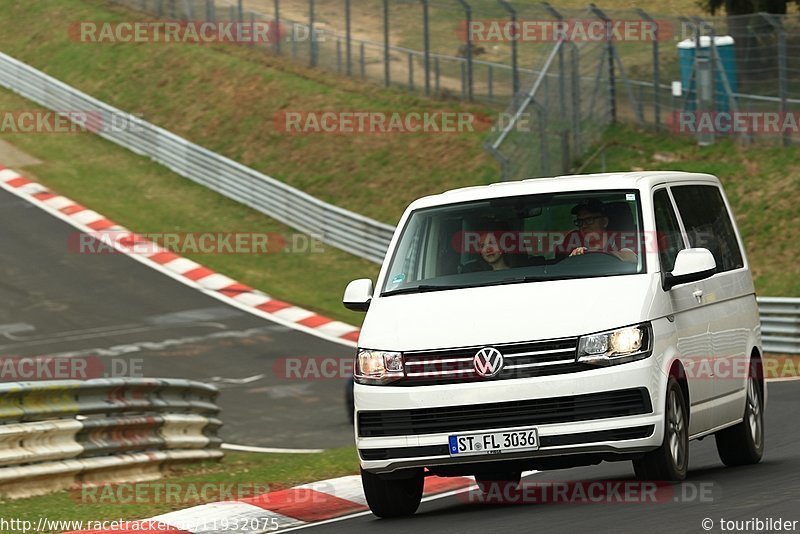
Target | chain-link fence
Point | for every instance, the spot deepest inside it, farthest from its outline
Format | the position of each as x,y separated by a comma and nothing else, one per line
704,77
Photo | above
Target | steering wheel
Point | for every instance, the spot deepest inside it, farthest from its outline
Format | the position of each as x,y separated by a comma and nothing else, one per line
604,253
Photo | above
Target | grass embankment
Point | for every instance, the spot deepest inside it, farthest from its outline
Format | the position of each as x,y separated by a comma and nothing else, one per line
238,474
212,95
761,182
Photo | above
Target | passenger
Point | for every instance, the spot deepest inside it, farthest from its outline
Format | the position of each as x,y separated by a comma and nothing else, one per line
491,252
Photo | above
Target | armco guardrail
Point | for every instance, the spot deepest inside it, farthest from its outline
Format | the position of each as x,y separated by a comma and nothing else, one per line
56,433
780,324
334,226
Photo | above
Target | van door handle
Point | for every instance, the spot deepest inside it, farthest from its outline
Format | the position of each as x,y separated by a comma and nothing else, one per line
698,295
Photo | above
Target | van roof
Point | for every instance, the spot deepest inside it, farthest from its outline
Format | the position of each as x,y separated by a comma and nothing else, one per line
555,184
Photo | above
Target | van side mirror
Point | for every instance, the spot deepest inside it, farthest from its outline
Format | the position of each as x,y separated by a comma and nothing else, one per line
691,265
358,295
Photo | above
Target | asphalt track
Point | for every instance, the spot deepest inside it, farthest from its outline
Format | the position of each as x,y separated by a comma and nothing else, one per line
770,489
135,321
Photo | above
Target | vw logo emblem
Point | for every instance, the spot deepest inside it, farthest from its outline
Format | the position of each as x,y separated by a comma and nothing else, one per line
488,362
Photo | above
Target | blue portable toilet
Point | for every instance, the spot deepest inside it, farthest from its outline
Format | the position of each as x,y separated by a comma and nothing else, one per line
726,52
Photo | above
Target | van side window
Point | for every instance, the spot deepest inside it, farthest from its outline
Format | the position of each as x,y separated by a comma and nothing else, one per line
668,234
708,223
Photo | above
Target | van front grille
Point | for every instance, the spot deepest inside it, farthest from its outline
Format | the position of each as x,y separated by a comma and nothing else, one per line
531,412
521,360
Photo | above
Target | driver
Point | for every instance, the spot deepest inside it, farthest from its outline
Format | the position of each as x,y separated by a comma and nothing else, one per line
592,235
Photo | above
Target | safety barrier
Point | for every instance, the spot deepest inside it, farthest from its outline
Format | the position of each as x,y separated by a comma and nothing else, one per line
348,231
56,433
780,324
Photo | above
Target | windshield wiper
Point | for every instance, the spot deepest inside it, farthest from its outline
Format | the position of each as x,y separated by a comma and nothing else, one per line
422,289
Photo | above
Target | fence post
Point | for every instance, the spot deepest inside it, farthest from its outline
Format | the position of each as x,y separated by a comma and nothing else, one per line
410,71
311,37
656,70
348,37
278,33
490,80
362,61
437,72
545,156
702,81
427,44
387,77
576,99
160,8
561,82
776,24
565,157
210,9
514,58
338,55
468,15
612,80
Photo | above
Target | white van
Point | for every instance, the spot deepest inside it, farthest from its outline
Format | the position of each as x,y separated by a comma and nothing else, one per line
552,323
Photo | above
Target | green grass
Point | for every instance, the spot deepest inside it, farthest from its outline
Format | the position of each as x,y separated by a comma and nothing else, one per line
761,182
245,470
148,198
227,97
214,95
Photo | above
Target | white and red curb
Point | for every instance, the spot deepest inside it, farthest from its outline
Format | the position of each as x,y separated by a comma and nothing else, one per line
273,511
182,269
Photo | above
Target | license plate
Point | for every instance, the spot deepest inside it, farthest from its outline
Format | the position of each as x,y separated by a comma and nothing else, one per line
525,439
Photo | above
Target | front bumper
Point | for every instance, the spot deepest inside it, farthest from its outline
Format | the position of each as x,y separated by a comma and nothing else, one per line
624,435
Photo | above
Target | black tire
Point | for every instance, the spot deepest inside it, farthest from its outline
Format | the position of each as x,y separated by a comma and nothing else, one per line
498,481
390,496
670,461
743,444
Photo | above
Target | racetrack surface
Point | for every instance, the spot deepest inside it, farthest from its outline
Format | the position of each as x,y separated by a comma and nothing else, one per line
770,489
136,321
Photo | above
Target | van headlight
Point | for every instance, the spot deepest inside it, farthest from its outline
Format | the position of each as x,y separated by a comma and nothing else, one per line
378,366
616,346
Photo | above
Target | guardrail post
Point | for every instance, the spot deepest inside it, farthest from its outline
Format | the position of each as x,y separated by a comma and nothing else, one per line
427,45
278,32
514,46
348,37
387,77
468,15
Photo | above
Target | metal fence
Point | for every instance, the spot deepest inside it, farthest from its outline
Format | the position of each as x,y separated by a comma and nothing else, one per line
425,46
56,433
335,226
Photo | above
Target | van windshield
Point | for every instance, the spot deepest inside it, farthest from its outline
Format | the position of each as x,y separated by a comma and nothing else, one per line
519,239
